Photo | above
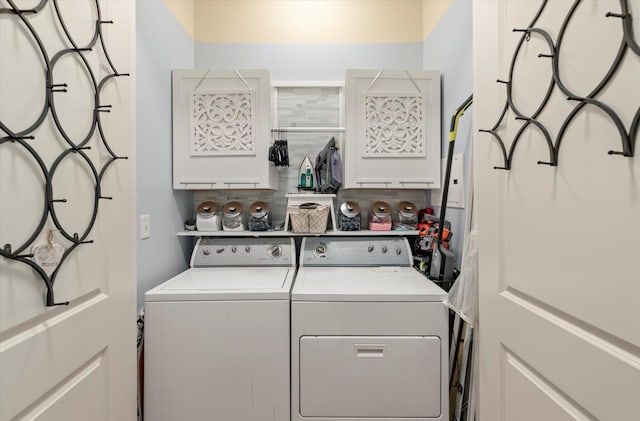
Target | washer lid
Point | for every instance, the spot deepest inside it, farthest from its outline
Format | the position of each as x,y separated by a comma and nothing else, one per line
388,283
206,284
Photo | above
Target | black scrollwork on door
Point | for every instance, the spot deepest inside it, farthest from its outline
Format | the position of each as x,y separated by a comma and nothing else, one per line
30,140
628,45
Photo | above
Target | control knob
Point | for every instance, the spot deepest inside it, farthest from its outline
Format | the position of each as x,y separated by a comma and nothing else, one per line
275,251
320,250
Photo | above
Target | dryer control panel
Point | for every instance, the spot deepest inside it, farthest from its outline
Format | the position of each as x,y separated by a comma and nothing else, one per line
243,252
360,251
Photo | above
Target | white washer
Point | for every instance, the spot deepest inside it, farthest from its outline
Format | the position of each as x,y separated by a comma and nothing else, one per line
217,335
369,334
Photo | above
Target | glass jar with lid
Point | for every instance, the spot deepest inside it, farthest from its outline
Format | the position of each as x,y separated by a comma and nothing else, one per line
233,217
380,217
407,216
207,218
349,216
259,218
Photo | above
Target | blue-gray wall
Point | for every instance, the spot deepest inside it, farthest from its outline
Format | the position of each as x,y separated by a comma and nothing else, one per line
161,45
449,49
308,62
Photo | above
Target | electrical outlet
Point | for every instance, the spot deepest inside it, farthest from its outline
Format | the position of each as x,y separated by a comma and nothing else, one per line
145,227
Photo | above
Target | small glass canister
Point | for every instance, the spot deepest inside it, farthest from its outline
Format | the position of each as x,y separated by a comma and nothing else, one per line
349,217
259,218
380,217
233,217
207,218
407,216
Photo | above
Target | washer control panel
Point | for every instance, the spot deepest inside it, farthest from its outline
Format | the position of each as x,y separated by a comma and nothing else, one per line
352,251
221,252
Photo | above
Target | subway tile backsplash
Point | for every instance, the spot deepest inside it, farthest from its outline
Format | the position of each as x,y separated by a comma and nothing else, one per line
309,107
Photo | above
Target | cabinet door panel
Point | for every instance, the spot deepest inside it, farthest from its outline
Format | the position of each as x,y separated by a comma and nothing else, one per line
221,130
393,129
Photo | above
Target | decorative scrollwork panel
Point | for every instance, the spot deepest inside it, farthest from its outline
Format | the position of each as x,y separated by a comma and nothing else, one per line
222,123
394,126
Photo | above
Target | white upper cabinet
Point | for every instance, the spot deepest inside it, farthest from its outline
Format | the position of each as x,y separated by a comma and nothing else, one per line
392,129
221,130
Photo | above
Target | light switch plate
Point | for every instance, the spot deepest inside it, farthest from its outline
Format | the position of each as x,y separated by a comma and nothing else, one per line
145,227
456,184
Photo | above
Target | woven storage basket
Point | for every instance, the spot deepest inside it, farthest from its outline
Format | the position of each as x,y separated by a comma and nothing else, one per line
309,218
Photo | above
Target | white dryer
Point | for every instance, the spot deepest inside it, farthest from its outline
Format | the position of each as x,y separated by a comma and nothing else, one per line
217,335
369,334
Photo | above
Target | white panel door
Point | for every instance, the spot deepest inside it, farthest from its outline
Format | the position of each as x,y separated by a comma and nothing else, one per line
75,361
559,245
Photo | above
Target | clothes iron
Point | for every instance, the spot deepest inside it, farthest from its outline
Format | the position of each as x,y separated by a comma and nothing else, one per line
306,175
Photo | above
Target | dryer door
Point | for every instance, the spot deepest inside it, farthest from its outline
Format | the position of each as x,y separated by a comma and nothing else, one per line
370,376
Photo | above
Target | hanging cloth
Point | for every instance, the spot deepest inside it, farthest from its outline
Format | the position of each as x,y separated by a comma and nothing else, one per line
463,296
